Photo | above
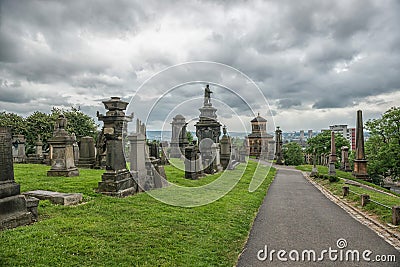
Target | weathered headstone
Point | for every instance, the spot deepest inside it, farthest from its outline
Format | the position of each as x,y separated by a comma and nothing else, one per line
62,151
87,157
75,148
345,165
360,163
65,199
13,206
179,138
18,148
101,150
163,153
117,180
191,157
332,156
225,144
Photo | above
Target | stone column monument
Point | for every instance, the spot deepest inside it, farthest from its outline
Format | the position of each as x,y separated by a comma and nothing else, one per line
62,151
87,157
360,163
178,139
117,180
138,150
13,206
278,144
208,130
314,170
332,156
345,165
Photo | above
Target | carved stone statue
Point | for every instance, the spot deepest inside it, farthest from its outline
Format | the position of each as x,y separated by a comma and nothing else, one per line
207,95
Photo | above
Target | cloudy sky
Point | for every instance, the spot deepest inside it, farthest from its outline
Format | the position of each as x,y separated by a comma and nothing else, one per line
314,62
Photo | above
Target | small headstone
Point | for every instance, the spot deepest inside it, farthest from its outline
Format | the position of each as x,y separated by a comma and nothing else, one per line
87,157
18,148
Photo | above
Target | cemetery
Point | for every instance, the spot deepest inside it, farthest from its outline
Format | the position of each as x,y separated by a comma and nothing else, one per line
69,201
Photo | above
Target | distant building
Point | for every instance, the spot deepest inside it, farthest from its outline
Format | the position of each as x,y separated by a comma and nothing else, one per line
259,142
348,133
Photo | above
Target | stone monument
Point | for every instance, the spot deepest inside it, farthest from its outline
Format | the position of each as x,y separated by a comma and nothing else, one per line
179,138
193,167
15,209
332,156
208,130
360,163
62,151
117,180
18,148
225,149
345,165
278,148
87,157
101,150
314,170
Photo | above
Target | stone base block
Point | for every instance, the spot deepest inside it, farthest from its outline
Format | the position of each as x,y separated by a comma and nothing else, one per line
119,184
32,204
14,212
65,199
65,173
10,188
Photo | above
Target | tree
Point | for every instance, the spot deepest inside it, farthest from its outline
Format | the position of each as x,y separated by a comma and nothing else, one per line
77,122
14,121
322,144
293,154
38,123
382,149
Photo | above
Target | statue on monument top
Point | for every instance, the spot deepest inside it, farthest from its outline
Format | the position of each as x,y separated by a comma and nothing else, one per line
207,95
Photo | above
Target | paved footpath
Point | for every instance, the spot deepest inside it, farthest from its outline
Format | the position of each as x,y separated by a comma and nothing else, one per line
297,216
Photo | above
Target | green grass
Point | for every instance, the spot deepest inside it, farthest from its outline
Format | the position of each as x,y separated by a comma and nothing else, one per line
132,231
383,214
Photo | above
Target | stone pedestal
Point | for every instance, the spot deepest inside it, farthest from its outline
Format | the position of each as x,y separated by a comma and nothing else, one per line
117,180
13,206
62,152
193,168
278,146
87,156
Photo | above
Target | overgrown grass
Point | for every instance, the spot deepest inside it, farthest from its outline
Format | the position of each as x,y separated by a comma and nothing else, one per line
133,231
383,214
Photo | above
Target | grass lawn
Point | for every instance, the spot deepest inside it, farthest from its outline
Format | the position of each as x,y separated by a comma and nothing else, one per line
382,213
133,231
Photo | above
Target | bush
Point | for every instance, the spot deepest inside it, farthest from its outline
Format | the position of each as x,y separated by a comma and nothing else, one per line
333,179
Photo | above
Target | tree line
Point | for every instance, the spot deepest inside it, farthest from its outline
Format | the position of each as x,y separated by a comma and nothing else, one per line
40,125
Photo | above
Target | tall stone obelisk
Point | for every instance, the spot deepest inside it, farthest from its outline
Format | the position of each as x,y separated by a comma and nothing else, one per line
360,163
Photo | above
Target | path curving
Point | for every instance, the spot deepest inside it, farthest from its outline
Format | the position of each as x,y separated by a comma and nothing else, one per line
297,218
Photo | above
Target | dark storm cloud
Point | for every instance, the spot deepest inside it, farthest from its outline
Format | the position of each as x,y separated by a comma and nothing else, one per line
301,54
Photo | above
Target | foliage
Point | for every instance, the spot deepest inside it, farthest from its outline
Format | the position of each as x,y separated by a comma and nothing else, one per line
322,144
40,124
131,231
14,121
189,136
292,154
383,147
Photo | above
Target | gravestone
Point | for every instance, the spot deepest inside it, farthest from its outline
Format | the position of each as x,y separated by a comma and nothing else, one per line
62,151
314,170
360,163
138,156
332,156
37,157
13,206
75,148
179,137
345,165
87,157
18,148
117,180
191,158
163,156
225,144
242,154
65,199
